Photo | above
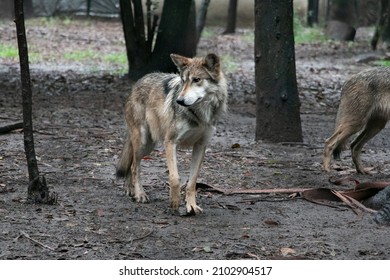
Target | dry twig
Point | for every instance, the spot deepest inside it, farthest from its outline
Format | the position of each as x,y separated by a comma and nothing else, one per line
24,234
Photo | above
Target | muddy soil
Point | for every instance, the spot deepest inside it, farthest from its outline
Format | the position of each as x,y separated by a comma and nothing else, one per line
79,129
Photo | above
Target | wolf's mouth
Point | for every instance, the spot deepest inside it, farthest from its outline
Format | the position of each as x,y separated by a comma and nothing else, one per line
181,101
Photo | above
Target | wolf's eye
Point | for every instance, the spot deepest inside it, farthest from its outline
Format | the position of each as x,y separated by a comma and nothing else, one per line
196,80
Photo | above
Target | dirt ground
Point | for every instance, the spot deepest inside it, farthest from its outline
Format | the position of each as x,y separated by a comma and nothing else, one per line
79,129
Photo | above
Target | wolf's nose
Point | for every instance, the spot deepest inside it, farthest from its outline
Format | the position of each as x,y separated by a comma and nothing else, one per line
180,101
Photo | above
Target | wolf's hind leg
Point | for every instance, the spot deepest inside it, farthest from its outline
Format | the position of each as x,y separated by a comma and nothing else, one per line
142,146
343,131
123,167
174,178
373,127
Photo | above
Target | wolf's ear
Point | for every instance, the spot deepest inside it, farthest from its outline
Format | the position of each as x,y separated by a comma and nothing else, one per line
180,61
212,62
212,65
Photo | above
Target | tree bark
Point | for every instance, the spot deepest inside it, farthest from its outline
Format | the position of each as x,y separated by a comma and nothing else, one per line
382,29
231,18
126,12
201,19
38,192
278,106
342,20
173,34
8,128
176,34
312,12
343,10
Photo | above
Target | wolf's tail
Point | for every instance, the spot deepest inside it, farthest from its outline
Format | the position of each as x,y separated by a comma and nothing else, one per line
342,146
123,167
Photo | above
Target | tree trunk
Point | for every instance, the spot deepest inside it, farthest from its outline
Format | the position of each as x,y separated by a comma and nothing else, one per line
382,30
176,34
8,128
277,108
344,11
175,31
137,48
342,19
201,19
312,12
231,18
38,192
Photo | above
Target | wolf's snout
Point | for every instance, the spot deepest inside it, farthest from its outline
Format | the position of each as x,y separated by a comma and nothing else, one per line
181,101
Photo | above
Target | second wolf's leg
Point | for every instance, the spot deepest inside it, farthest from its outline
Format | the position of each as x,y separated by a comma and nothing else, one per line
341,134
372,128
196,162
174,179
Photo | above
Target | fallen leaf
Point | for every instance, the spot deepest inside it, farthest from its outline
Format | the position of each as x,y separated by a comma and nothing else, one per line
99,212
71,224
270,222
206,249
287,251
236,146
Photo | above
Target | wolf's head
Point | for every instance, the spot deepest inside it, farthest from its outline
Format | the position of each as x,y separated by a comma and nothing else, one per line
199,76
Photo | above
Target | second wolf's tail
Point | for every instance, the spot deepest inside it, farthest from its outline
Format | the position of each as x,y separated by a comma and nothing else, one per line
124,163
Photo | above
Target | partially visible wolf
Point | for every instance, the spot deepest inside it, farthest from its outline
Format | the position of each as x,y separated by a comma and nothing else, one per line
365,107
179,111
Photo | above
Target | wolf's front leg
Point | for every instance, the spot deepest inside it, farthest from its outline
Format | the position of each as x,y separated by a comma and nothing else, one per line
174,179
198,152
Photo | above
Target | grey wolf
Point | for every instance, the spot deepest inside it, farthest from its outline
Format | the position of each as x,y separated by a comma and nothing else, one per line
365,108
178,110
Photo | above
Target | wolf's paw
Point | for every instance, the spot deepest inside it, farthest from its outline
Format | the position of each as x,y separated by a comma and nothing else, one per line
326,169
364,171
174,204
128,188
326,165
129,192
141,197
193,209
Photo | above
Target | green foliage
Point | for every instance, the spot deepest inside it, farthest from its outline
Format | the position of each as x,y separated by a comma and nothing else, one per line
249,37
11,52
383,62
116,58
8,51
229,65
207,33
303,34
83,55
50,21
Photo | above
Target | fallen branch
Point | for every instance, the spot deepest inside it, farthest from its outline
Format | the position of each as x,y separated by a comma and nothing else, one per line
249,191
323,196
347,201
143,236
11,127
